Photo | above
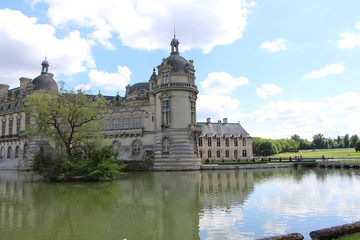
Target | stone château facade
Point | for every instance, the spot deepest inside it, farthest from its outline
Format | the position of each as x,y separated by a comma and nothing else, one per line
154,121
223,141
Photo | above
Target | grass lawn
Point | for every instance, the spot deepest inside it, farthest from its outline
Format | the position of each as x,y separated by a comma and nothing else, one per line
318,153
354,236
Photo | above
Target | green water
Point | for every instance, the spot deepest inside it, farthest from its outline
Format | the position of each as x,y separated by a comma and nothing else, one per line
179,205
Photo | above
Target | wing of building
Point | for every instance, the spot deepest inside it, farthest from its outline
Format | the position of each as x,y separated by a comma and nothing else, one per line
223,141
154,122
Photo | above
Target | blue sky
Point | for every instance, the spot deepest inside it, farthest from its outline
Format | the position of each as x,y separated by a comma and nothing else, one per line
279,67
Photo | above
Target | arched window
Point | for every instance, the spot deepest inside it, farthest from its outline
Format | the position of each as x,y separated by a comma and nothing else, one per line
17,150
200,154
218,154
244,154
9,152
209,154
227,154
235,154
136,147
244,141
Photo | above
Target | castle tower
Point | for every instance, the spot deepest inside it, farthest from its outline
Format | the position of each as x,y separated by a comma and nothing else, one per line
175,95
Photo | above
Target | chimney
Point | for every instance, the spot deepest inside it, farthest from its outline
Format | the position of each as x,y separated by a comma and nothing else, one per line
4,91
24,83
225,120
208,120
219,121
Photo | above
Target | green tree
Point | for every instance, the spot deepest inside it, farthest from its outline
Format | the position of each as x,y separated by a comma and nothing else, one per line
357,146
346,141
353,140
65,119
71,123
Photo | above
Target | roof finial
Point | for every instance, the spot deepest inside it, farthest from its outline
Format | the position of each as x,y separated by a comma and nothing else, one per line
45,66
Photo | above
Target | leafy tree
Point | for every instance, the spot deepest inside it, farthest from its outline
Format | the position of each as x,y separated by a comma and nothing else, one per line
346,141
318,140
66,119
340,142
71,123
357,146
296,137
353,140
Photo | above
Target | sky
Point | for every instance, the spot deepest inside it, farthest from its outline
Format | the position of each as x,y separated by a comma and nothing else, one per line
278,67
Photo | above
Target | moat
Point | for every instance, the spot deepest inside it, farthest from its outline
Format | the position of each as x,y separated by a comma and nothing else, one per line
224,204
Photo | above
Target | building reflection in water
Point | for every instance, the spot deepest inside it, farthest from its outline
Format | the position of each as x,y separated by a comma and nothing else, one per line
143,205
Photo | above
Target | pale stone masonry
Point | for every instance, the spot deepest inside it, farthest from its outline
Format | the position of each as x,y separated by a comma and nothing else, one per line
223,141
155,121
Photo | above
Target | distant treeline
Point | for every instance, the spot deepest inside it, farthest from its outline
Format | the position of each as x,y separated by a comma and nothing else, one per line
268,147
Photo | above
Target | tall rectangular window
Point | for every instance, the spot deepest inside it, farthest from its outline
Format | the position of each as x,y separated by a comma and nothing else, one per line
227,142
166,112
209,141
235,142
200,142
10,126
3,124
165,77
193,112
218,142
209,154
244,141
18,124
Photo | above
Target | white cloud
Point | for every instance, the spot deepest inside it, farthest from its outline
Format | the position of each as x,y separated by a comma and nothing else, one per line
357,25
350,39
216,106
83,87
268,90
222,83
23,44
274,46
110,81
338,115
334,68
147,24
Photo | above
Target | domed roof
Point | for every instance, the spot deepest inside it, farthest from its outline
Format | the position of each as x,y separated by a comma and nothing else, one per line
45,81
178,63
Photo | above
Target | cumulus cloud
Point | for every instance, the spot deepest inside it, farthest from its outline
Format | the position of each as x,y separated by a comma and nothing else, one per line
216,102
335,116
216,106
148,24
268,90
23,44
110,81
274,46
334,68
350,39
222,83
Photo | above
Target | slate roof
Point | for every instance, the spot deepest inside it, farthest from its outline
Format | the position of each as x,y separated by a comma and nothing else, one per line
222,128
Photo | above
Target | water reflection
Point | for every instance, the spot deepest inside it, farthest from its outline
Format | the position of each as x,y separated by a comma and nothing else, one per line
180,205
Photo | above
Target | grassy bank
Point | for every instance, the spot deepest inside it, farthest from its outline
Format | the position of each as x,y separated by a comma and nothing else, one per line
318,153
